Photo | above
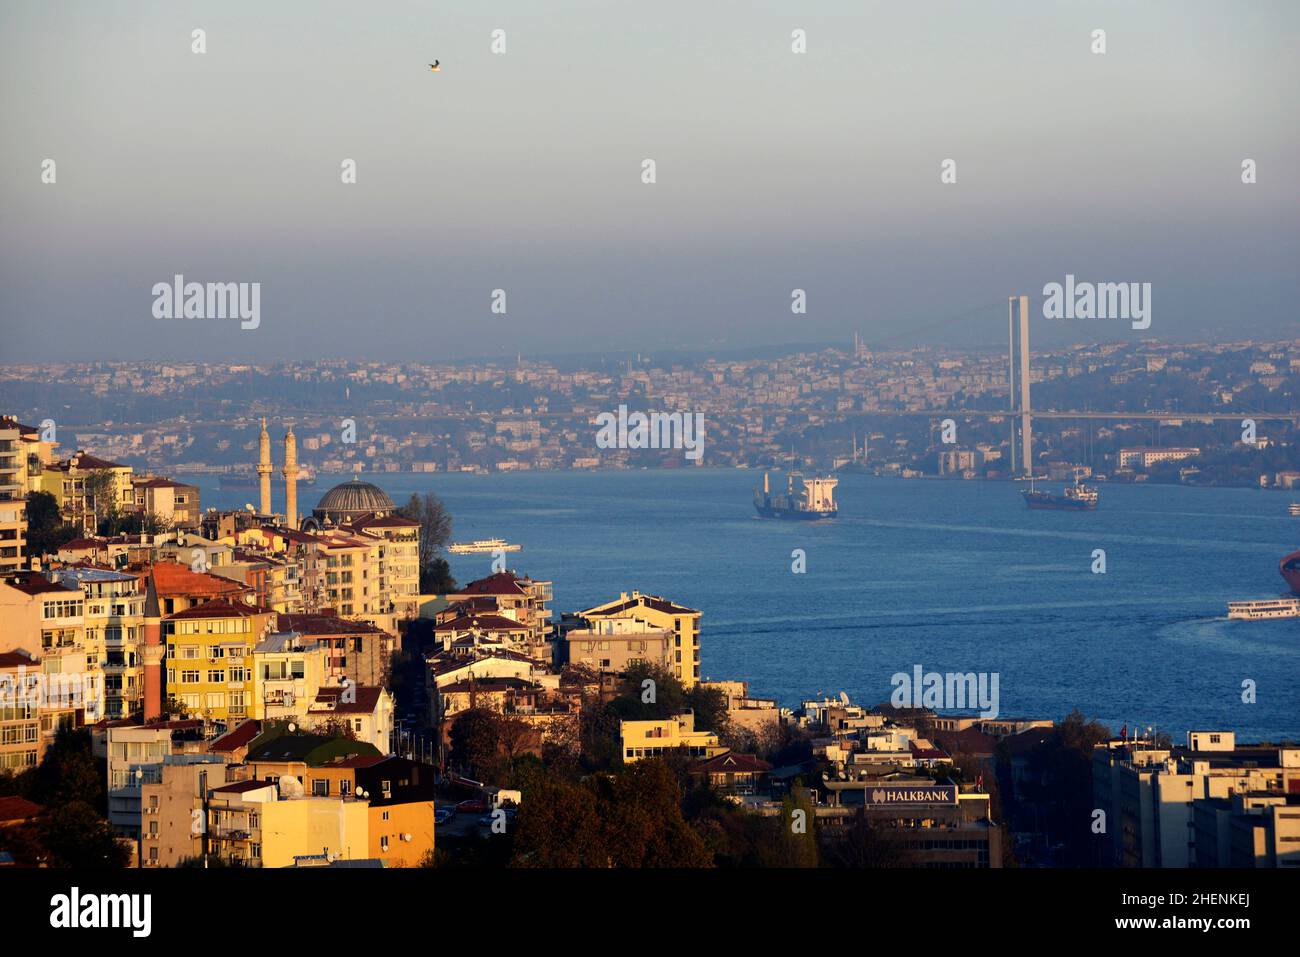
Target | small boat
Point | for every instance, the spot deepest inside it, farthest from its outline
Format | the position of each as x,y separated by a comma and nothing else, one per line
1295,509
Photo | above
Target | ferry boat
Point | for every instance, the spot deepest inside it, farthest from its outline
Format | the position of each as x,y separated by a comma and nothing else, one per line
1264,608
816,501
1076,498
482,545
1295,509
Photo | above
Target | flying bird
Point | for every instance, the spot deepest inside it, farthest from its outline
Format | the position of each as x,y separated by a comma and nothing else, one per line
434,66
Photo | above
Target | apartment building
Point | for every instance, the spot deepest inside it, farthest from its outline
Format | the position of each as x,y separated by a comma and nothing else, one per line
657,612
658,737
209,658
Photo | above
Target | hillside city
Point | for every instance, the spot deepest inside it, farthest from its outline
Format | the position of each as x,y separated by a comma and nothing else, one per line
187,686
876,410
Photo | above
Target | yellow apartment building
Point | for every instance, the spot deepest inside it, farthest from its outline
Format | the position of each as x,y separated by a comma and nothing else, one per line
657,612
667,736
209,658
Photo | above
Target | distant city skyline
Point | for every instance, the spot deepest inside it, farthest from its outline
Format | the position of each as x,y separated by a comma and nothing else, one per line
775,171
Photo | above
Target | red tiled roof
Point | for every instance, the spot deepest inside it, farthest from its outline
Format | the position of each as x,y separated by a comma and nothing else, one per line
483,623
366,697
731,763
15,659
173,578
309,625
656,602
388,521
85,462
502,583
238,738
34,583
17,809
238,787
216,609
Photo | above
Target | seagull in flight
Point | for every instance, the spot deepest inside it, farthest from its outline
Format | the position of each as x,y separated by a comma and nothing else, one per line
434,66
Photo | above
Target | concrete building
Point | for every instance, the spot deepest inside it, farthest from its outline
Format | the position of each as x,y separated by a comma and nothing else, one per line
658,612
675,735
135,755
13,500
613,645
209,658
1151,796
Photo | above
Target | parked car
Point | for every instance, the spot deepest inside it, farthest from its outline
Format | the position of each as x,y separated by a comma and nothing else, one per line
443,814
472,806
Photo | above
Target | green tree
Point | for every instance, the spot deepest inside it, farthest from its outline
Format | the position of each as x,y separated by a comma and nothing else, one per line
435,533
46,530
73,835
100,489
559,826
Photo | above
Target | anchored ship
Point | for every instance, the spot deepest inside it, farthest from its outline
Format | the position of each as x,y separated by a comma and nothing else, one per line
1077,497
244,480
817,499
482,545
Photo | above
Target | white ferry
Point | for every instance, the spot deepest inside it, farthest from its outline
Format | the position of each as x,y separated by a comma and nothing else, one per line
482,545
1295,509
1264,608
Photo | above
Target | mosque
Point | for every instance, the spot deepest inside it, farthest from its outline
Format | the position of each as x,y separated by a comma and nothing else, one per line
342,505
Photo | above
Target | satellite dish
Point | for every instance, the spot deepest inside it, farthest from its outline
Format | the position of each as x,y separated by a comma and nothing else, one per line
292,727
249,506
844,697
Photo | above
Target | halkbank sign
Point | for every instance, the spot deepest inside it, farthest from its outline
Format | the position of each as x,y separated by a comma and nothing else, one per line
912,794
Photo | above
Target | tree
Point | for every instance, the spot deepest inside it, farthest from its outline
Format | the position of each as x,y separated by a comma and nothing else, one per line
46,530
68,772
559,826
435,533
865,844
100,488
474,741
73,835
337,727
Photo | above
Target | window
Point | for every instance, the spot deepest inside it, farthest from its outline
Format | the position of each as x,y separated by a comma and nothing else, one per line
320,788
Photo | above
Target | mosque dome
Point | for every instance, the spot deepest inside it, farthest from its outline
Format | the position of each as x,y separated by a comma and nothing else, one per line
351,500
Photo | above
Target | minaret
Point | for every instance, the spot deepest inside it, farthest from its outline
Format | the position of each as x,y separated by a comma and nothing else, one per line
264,469
290,479
153,652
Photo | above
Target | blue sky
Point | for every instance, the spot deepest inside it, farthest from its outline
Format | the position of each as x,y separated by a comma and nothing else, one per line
522,172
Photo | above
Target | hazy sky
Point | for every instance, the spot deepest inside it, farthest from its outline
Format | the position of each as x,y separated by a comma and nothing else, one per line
523,171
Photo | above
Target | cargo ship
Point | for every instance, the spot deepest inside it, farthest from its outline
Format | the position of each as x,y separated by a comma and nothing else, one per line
817,500
1076,498
1289,566
482,545
1263,608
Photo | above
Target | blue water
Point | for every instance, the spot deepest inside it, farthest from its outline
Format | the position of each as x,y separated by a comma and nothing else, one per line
953,576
